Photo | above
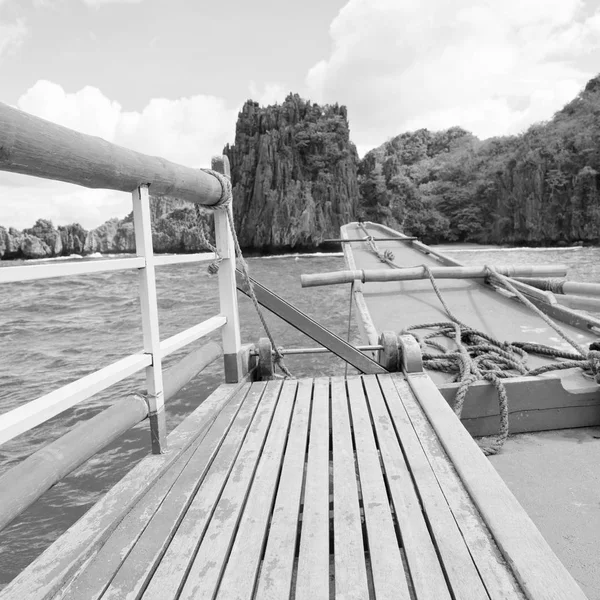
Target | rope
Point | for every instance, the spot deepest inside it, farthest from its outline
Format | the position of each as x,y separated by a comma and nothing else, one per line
278,358
224,203
479,356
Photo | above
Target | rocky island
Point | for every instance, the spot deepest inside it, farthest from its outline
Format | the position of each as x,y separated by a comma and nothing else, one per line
297,177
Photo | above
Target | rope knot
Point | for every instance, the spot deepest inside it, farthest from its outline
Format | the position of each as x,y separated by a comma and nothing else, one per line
388,255
594,361
213,268
226,191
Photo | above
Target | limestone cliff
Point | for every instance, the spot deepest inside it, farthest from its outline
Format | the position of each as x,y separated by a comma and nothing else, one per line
293,171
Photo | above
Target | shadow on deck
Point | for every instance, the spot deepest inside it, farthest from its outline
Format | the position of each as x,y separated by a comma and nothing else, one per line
365,487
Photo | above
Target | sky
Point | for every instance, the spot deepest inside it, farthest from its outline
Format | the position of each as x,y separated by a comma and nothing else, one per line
168,77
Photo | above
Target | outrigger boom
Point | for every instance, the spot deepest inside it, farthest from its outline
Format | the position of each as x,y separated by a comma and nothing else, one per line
412,273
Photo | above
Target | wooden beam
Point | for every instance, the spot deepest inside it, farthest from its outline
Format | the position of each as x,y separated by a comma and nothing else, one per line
34,146
24,483
227,295
27,416
179,340
67,269
177,259
51,571
411,273
531,559
290,314
150,327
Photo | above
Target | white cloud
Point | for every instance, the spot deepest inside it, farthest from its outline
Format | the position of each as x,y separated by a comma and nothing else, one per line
188,131
493,67
12,35
271,93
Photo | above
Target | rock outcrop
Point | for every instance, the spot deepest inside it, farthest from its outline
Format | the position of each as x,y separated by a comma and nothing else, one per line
10,242
294,172
51,242
73,238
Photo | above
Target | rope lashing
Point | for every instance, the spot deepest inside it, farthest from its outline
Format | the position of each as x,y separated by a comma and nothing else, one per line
478,356
224,203
590,356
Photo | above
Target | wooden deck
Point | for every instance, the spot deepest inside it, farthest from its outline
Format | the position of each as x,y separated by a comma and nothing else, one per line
360,488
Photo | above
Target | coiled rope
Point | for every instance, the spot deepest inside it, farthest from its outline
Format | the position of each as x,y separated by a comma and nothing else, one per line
478,356
224,203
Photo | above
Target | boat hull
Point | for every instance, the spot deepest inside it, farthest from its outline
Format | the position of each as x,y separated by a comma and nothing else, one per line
560,399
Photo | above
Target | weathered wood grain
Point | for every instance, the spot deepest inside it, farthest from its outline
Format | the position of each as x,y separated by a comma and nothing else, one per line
49,572
493,570
91,581
124,563
426,572
312,581
278,563
240,574
208,565
350,567
454,554
389,578
34,146
170,574
536,567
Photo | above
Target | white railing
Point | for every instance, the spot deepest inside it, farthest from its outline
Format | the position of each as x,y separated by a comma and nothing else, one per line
36,412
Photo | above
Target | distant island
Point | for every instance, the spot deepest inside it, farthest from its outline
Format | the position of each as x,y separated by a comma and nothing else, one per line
297,177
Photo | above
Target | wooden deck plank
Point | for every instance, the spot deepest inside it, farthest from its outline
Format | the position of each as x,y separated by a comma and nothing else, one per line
493,570
426,572
241,573
458,565
141,540
312,581
349,556
170,573
278,564
537,568
389,578
91,582
207,567
50,572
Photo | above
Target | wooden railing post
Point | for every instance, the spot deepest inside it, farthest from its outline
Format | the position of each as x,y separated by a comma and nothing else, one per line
227,285
149,307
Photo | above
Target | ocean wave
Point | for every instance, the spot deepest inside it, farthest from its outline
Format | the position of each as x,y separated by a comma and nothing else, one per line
53,258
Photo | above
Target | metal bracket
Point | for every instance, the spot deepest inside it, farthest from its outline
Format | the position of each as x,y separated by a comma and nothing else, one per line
410,354
266,368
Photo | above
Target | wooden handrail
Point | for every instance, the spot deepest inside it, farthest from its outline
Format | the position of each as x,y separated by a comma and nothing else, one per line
33,146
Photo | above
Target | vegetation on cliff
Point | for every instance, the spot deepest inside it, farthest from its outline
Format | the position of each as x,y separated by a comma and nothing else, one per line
540,187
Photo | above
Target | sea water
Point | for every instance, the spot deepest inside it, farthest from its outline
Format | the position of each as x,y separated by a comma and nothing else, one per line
57,330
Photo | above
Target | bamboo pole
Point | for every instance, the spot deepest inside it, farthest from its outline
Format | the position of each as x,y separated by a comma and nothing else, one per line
34,146
580,302
411,273
563,287
22,485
